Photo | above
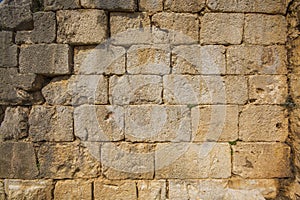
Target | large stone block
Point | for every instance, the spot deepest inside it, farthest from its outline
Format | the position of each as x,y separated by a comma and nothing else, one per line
221,28
263,123
28,189
9,51
51,123
152,189
61,4
157,123
184,5
116,5
81,26
205,160
265,29
196,59
256,60
135,89
151,6
17,161
266,89
73,189
52,59
253,160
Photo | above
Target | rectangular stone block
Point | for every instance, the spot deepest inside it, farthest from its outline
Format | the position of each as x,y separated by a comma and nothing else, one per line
253,160
152,189
295,121
127,160
116,5
266,89
222,28
295,53
157,123
56,124
73,189
81,26
263,123
52,59
149,59
214,123
112,190
193,6
294,86
256,60
17,161
151,6
8,51
196,59
210,160
61,4
135,89
265,29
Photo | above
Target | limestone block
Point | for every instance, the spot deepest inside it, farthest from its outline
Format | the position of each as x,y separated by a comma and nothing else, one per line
295,85
151,6
184,5
73,189
116,5
81,26
221,28
61,4
8,51
152,189
295,57
253,160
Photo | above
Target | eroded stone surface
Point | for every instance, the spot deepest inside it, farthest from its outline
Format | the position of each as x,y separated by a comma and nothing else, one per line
9,51
61,4
295,85
184,5
152,189
116,5
151,6
73,189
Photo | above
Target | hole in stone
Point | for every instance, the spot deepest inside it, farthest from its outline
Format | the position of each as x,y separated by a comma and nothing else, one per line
278,125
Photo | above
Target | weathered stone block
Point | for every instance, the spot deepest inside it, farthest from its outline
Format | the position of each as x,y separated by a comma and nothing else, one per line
221,28
112,190
56,123
127,160
210,160
135,89
265,29
295,122
116,5
196,59
295,52
17,161
295,85
253,160
61,4
146,59
44,29
52,59
184,5
15,123
99,123
8,51
256,60
266,89
173,30
151,6
73,189
266,6
215,123
81,26
263,123
25,189
152,189
157,123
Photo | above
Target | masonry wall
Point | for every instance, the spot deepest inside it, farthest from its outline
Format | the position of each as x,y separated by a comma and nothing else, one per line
149,99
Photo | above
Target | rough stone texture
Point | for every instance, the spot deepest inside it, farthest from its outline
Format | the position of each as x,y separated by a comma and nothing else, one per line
265,89
210,59
61,4
295,85
99,60
256,60
116,5
253,160
99,123
14,125
73,189
17,161
215,123
135,89
157,123
266,6
263,123
25,189
151,6
111,190
211,160
60,161
295,121
146,59
184,5
57,123
295,57
8,51
2,191
81,26
44,30
265,29
127,160
168,28
152,189
52,59
221,28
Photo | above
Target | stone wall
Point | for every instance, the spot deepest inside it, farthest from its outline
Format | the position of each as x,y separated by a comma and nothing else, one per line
149,99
